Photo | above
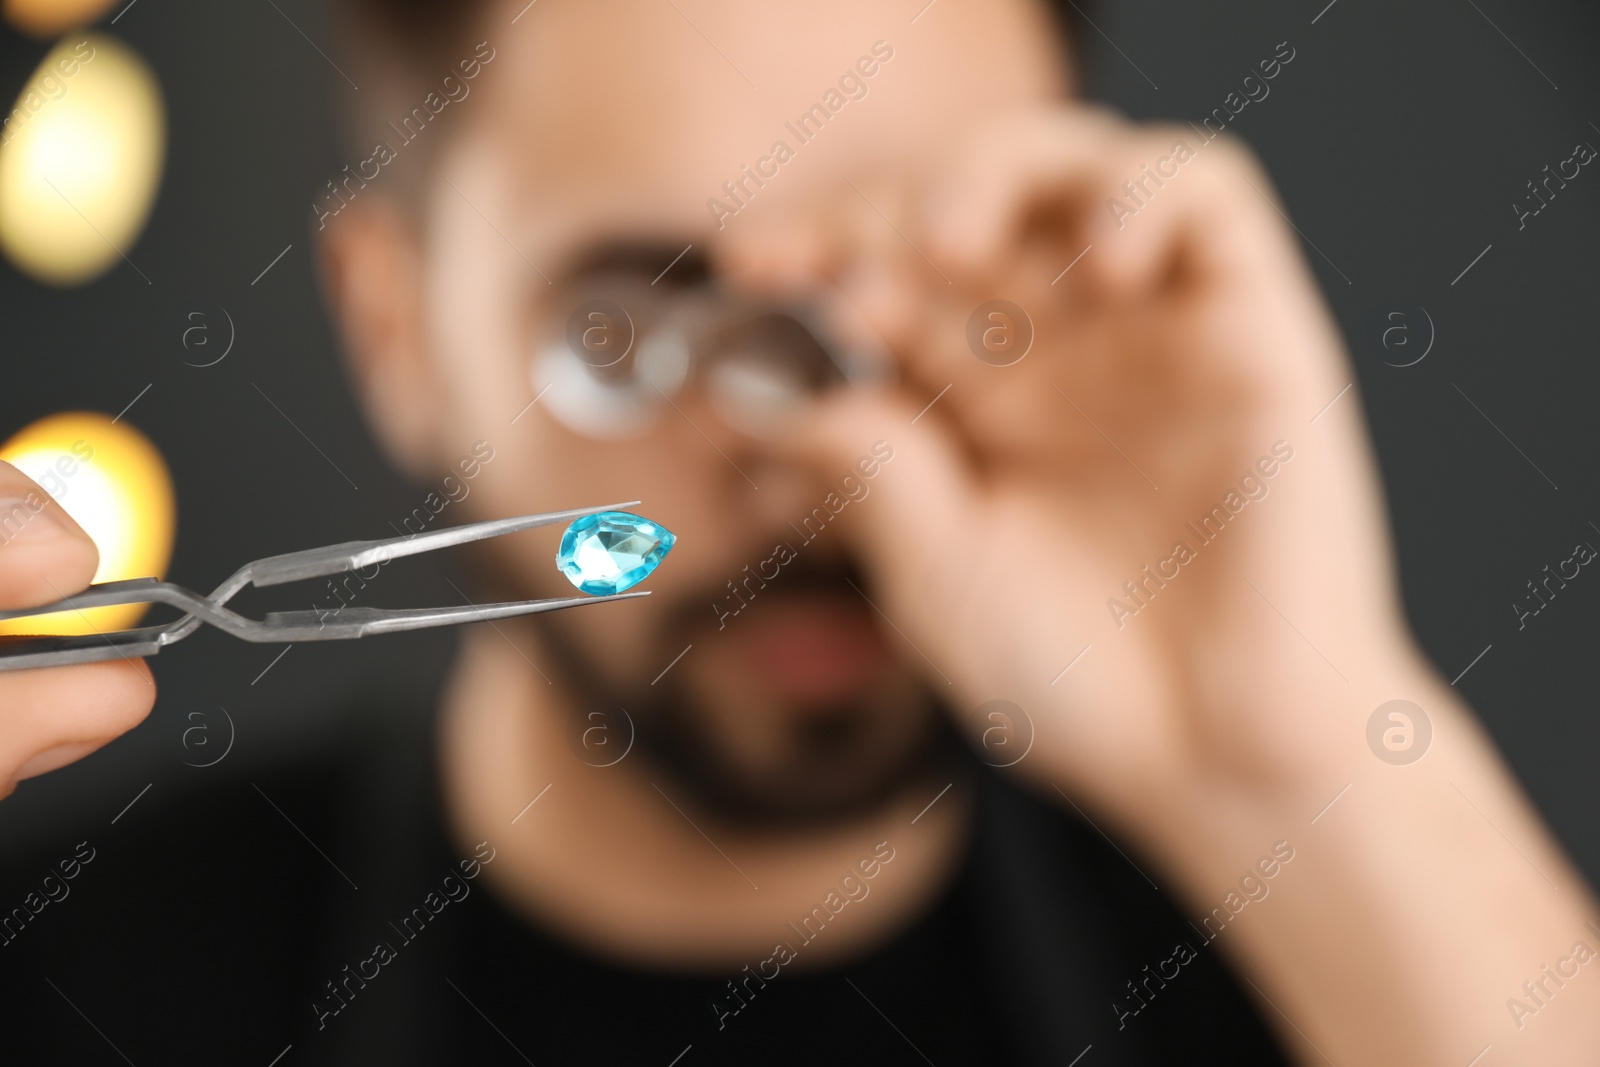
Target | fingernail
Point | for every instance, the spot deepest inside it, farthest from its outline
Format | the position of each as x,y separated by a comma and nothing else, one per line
28,518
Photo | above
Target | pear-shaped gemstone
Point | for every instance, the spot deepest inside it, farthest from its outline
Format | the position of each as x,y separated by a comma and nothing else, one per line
611,551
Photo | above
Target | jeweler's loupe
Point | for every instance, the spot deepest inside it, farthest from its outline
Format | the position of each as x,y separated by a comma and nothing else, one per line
625,354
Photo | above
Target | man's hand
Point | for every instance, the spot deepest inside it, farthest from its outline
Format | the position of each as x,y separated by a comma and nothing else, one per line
51,717
1160,533
1158,432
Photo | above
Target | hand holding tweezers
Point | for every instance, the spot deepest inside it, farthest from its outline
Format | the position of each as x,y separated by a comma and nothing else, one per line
287,627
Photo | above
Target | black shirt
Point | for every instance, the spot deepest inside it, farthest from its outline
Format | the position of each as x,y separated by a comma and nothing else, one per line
320,912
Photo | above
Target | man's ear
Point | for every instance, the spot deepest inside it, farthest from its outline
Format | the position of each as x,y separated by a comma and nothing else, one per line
372,265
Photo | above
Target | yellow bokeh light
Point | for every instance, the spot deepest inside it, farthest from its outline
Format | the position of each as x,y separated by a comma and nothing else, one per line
114,483
46,18
81,154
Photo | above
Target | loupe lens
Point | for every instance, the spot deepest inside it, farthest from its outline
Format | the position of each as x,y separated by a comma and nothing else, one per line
625,350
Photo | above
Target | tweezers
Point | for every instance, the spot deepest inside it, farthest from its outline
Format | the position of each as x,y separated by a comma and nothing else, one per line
284,627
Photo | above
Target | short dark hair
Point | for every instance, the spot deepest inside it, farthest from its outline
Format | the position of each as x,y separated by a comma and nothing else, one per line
414,29
398,51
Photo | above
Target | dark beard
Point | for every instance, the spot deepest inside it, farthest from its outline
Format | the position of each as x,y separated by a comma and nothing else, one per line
672,740
658,725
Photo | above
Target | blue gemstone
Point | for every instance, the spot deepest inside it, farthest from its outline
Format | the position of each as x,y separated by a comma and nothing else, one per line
612,551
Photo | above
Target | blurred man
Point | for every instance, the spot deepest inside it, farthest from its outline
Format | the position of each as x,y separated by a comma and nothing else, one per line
961,588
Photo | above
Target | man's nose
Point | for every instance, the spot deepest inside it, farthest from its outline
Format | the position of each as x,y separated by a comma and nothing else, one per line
754,475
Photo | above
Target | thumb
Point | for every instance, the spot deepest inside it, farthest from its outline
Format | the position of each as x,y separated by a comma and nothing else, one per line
44,554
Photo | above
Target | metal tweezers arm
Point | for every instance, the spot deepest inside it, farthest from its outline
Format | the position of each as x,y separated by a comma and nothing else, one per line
18,653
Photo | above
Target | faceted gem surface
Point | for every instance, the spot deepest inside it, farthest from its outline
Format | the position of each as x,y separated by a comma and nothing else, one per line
612,551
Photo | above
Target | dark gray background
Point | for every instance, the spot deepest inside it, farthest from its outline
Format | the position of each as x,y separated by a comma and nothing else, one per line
1399,137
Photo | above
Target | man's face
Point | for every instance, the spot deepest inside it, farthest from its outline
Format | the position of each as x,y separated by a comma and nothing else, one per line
590,148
